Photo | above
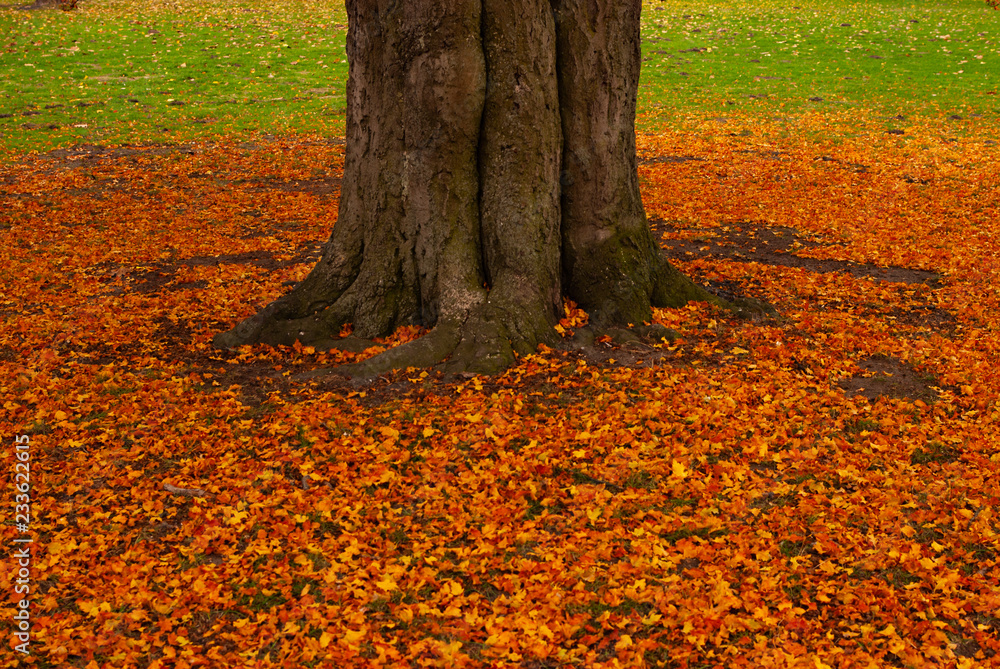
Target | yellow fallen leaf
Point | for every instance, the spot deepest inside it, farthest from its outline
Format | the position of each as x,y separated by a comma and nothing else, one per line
449,650
162,609
353,636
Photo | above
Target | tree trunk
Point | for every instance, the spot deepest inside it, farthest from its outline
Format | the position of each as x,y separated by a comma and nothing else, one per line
490,169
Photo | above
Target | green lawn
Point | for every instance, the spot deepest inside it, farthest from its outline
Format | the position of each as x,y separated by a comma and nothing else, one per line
117,72
886,56
104,74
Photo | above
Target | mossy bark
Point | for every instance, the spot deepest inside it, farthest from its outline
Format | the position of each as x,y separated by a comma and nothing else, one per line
490,169
612,265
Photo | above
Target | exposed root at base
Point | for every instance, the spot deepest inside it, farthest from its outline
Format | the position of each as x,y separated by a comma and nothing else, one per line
481,344
750,308
486,340
472,348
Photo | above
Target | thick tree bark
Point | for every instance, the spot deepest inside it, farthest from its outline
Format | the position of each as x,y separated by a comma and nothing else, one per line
490,169
613,267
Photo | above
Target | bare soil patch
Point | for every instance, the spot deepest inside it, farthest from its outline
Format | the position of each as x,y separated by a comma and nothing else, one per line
925,317
39,4
256,379
161,276
777,246
75,156
884,376
651,160
322,187
72,156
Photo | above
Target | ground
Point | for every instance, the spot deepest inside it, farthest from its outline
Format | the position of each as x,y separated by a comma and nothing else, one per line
854,391
744,242
814,488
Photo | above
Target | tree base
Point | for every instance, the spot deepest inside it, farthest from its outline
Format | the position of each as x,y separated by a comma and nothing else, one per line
509,181
484,343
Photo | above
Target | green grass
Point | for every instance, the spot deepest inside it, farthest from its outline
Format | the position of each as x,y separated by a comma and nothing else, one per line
118,71
887,56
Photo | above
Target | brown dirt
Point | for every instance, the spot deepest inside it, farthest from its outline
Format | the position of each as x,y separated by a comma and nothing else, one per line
926,318
626,354
39,4
777,246
171,341
884,376
156,277
668,159
324,187
81,154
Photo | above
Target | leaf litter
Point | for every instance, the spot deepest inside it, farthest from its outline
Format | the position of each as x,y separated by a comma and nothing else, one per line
820,486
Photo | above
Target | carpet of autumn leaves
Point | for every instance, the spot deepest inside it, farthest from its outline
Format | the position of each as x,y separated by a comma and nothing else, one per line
718,501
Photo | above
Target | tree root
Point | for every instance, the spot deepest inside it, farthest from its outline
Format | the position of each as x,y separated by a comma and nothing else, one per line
673,289
476,346
487,342
584,338
750,308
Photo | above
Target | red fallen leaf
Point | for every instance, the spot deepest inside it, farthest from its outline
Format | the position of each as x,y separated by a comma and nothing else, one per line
508,527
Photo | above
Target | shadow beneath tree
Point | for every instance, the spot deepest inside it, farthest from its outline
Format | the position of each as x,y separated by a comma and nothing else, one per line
777,246
885,376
